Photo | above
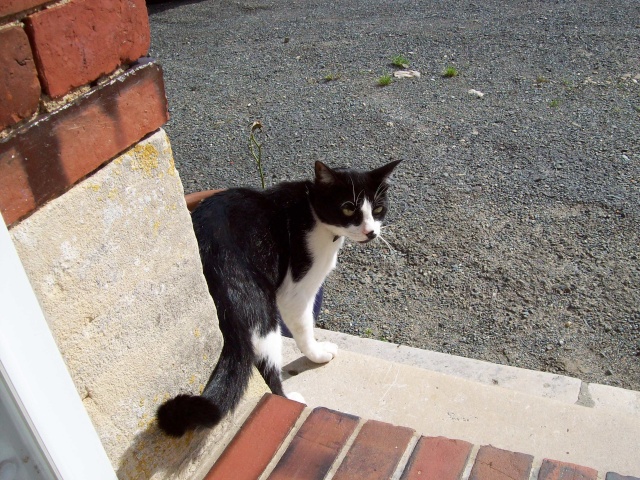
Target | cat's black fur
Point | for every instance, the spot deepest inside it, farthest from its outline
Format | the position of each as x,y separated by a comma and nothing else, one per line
255,248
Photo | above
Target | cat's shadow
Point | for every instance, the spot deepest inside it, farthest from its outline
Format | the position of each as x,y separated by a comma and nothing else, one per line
298,366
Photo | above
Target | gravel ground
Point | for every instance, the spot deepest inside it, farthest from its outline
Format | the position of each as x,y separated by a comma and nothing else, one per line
515,216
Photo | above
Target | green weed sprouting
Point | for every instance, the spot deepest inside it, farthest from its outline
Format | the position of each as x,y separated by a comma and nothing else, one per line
450,72
400,62
384,80
255,149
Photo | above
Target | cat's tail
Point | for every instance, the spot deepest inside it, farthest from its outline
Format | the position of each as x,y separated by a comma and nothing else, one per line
221,395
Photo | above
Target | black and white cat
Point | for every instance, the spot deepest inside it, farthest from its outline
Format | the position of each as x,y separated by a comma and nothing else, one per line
265,252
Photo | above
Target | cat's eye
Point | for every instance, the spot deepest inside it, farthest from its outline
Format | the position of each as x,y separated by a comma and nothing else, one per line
378,210
348,211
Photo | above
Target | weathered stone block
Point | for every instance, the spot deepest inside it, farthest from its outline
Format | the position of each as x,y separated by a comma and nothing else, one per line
19,86
115,265
78,42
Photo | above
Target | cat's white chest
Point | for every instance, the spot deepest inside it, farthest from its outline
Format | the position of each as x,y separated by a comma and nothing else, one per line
324,255
324,251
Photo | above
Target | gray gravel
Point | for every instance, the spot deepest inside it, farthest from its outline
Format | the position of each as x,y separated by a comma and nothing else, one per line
515,221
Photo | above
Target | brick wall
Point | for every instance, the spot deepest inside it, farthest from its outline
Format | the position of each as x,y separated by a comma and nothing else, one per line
75,91
96,211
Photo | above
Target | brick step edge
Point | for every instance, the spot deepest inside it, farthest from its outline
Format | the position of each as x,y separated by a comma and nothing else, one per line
278,441
44,158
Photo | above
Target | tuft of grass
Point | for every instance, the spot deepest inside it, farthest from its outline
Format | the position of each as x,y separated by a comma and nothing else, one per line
554,103
400,62
569,85
450,72
368,333
384,80
331,77
540,80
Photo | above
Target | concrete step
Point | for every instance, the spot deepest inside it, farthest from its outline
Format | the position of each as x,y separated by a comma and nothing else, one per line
480,412
557,387
283,440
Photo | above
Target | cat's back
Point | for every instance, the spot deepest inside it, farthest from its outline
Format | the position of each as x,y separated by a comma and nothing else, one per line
255,222
245,206
233,213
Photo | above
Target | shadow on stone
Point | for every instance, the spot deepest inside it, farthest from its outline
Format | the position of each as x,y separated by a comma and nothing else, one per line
152,451
298,366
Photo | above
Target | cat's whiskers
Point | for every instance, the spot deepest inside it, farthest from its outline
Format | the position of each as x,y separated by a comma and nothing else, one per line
387,243
381,190
353,187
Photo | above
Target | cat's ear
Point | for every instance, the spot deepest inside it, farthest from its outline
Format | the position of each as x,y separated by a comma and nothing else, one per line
382,173
324,175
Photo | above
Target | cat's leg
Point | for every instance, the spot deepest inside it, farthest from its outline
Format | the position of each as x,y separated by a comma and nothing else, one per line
268,350
297,314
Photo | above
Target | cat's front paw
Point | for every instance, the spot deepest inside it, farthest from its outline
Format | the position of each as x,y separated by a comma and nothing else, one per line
296,397
322,352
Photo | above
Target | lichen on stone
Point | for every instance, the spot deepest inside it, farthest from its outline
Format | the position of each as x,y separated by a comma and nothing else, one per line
145,157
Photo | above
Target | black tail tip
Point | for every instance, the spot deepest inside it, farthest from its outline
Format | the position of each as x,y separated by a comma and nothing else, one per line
186,412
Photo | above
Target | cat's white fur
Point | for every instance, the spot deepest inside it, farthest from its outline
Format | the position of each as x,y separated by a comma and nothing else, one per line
295,299
269,347
368,223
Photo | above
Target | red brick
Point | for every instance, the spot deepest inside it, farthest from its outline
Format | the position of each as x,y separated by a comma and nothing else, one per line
76,43
316,446
15,192
495,464
258,439
437,458
44,159
555,470
617,476
375,453
19,86
11,7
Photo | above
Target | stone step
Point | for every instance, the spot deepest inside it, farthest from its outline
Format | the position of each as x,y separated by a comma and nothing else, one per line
283,440
549,385
444,405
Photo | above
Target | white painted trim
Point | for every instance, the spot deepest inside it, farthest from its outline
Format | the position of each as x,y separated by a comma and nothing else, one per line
39,379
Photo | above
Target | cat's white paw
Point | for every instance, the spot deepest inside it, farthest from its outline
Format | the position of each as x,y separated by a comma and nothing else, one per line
322,352
296,397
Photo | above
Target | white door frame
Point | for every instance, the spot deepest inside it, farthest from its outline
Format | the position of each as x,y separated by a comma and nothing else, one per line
39,380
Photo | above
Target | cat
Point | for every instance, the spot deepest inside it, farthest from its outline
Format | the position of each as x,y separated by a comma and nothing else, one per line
268,252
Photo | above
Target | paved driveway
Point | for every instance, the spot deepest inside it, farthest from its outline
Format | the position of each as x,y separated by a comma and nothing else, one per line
515,224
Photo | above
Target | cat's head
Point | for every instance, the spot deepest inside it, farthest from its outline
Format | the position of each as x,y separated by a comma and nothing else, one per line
351,203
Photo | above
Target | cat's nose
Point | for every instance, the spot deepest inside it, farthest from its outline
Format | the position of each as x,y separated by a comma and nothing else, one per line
371,235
